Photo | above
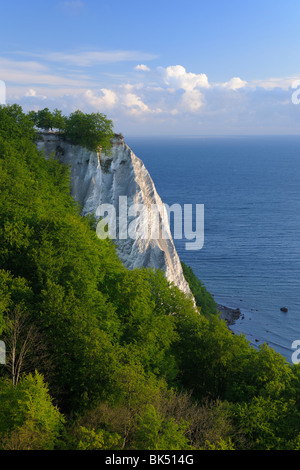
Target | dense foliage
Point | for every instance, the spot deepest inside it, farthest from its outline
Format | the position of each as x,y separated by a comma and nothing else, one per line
93,131
89,130
110,358
204,300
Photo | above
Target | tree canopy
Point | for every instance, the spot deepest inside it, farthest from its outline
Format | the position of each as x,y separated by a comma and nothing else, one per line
124,360
93,131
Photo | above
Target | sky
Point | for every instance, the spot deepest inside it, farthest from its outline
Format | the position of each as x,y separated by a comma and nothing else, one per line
157,68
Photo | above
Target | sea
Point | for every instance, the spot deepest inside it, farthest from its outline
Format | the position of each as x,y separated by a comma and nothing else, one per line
250,189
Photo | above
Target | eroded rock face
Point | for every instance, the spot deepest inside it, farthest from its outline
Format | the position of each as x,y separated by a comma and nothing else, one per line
101,179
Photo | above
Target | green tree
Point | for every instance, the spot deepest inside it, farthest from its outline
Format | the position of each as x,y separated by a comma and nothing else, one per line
45,119
15,125
28,418
83,438
15,295
155,433
204,300
119,340
267,423
147,332
93,131
33,116
59,121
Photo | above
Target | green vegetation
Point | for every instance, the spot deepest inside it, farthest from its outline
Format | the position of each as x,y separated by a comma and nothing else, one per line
28,418
93,131
89,130
100,357
204,300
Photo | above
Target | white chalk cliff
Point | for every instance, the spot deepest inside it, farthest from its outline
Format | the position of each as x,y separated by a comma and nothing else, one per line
100,179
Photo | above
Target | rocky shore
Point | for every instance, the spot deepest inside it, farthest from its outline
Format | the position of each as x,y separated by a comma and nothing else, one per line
230,315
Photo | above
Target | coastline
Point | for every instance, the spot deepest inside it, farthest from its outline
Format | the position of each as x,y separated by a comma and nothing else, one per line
230,315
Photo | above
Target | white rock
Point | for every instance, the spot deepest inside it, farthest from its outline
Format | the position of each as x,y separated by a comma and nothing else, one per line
98,178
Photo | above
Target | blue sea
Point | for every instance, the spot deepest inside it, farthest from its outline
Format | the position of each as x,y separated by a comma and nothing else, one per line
250,188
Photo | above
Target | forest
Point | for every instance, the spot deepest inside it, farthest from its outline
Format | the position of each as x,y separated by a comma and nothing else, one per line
101,357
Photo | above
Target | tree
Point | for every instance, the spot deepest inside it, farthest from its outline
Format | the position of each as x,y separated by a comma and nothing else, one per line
119,340
82,438
268,423
16,126
28,418
203,298
59,121
33,116
25,348
44,119
93,131
153,432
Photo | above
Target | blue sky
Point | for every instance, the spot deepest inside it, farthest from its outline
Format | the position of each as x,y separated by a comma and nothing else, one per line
159,67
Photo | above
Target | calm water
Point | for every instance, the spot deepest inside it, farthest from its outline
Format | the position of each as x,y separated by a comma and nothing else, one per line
250,188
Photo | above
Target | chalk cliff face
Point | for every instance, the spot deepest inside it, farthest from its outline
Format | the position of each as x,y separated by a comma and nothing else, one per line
99,179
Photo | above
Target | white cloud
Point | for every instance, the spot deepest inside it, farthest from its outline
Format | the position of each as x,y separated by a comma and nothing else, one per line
122,100
89,58
142,68
235,83
271,83
34,73
169,99
134,103
30,92
192,100
21,66
33,94
107,101
131,87
177,77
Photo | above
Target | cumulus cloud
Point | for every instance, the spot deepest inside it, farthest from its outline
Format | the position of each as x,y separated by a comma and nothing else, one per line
169,99
125,99
107,100
33,94
135,103
142,68
235,83
177,78
30,92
